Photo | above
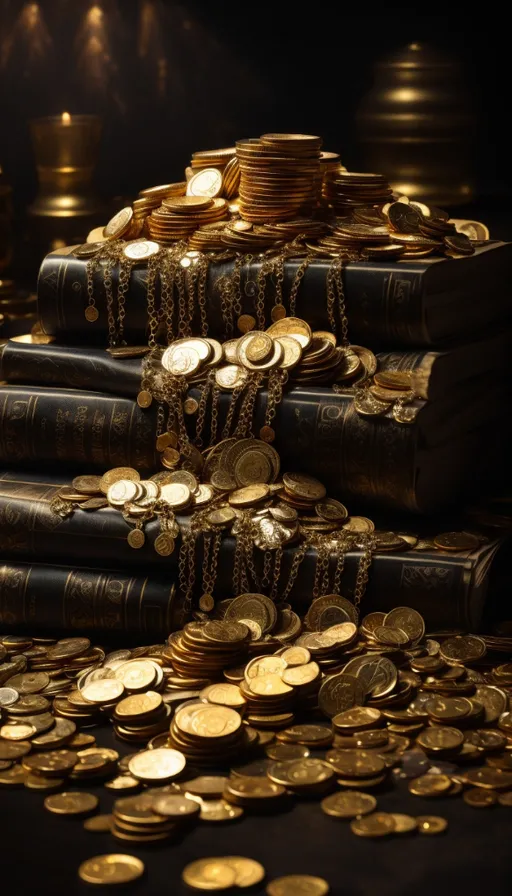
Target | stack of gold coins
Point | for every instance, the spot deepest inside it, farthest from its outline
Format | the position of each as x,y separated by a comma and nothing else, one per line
149,199
207,734
141,716
154,816
278,176
305,777
256,793
94,763
325,362
201,652
192,357
212,158
344,191
178,217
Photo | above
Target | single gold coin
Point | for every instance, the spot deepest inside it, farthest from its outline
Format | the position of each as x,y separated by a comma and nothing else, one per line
134,676
457,541
207,182
119,225
190,406
298,885
176,806
71,803
141,250
431,824
479,798
28,682
157,765
349,804
248,872
14,731
430,785
219,811
136,539
404,824
98,824
378,824
246,322
105,691
137,705
209,874
206,786
249,495
113,868
144,399
223,694
115,475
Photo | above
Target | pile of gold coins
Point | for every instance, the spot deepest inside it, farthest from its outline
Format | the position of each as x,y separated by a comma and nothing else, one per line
288,344
345,191
272,709
179,216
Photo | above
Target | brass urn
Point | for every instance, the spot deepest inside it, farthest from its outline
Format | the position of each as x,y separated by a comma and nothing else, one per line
416,126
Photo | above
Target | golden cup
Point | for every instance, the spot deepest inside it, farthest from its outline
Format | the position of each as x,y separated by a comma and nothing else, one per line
66,150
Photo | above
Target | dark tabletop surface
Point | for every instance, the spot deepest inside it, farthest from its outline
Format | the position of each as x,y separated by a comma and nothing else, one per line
42,852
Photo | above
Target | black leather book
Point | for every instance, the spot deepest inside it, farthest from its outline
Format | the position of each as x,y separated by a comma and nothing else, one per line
425,303
418,467
449,590
94,369
38,597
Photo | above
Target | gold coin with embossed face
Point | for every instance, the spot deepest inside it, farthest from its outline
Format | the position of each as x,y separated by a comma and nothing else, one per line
292,326
204,720
230,376
104,691
136,675
141,250
115,475
119,225
259,347
207,182
161,764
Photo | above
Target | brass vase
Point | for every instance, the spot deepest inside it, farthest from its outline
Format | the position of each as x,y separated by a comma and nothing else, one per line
416,126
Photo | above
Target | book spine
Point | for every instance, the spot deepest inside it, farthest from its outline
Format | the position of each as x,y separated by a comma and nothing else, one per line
317,431
448,590
77,368
68,427
40,597
384,304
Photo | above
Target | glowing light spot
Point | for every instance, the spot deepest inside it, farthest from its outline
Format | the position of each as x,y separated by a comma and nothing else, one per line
66,119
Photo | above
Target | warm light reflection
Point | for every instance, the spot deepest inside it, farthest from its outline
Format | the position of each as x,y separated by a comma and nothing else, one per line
150,45
29,39
66,119
93,51
405,95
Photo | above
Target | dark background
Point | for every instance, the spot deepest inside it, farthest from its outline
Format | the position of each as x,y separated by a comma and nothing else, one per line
171,77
